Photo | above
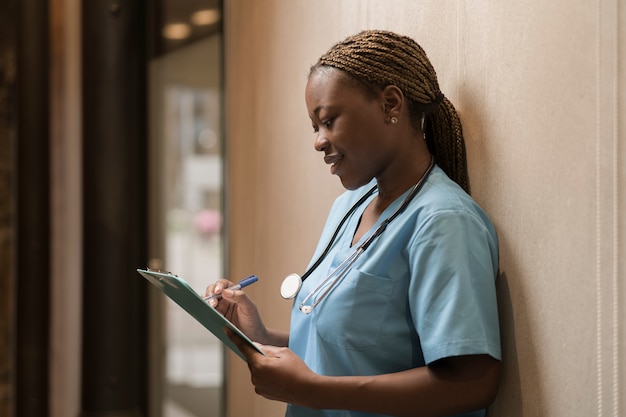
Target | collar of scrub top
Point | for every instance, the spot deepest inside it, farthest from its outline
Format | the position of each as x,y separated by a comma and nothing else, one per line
292,283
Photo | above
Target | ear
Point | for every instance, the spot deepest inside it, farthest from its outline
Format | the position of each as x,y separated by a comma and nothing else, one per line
393,100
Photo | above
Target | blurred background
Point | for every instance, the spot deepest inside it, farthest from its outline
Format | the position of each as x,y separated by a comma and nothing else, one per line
147,170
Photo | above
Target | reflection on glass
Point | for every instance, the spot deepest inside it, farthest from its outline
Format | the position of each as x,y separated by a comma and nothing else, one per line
193,225
186,101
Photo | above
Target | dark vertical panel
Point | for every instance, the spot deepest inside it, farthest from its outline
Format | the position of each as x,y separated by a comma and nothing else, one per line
114,170
33,205
8,132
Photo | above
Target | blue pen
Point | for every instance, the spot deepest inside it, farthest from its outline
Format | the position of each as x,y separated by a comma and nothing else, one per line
243,283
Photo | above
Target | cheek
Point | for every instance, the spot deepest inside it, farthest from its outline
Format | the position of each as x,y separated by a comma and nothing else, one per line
370,132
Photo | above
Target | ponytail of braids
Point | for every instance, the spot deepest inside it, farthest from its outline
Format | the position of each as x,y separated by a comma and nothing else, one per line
444,137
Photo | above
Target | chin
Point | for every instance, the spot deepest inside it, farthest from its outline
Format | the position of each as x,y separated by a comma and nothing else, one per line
352,185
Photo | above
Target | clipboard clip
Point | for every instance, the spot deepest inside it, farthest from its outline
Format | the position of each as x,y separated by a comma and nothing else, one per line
159,271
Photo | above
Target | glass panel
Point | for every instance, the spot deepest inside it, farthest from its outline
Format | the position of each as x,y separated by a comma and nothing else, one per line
186,142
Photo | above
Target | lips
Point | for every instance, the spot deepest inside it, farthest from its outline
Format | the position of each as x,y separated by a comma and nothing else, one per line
333,160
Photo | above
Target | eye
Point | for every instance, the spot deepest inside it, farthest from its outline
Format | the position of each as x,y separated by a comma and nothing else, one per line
326,123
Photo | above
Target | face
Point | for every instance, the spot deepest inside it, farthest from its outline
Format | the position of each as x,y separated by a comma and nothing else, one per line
349,127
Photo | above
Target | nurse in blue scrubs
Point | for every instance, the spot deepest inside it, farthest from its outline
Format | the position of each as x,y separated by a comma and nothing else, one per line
397,313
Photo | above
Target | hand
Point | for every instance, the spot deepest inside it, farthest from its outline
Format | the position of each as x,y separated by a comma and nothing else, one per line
280,375
238,308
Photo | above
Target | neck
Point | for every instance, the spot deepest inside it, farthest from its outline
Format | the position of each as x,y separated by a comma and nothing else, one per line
391,187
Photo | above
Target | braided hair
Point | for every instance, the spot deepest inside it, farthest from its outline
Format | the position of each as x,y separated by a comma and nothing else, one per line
375,59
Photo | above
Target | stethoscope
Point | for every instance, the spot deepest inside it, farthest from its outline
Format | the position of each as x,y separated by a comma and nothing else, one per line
292,283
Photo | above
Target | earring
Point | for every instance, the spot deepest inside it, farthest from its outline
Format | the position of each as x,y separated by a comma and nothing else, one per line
393,120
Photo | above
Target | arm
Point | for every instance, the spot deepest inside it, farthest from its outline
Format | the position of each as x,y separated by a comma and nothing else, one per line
447,387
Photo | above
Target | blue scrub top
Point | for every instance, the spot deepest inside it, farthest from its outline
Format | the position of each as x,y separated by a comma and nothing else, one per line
424,290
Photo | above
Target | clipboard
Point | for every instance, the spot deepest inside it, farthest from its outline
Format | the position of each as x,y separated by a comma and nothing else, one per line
182,294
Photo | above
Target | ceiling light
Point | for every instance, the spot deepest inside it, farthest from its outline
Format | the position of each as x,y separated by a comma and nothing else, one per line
176,31
205,17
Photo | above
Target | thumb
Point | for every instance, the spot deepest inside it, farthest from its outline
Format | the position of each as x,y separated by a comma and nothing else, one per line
244,347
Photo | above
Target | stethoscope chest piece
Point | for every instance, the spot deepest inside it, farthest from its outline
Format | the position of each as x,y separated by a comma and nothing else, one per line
293,282
290,286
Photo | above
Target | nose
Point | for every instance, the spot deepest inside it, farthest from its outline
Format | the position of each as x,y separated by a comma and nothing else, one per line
321,142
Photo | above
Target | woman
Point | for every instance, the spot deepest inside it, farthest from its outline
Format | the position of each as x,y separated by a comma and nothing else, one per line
409,327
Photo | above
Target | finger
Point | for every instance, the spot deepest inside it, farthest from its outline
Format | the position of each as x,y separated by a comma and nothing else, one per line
245,348
209,295
223,283
234,295
209,291
270,351
217,287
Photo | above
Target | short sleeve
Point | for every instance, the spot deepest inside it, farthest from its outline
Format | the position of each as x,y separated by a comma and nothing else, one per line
452,291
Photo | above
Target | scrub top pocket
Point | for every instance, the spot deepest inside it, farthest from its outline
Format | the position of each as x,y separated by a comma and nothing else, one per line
354,312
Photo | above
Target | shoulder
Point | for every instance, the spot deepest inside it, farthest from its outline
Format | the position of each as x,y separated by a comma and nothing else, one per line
442,205
441,194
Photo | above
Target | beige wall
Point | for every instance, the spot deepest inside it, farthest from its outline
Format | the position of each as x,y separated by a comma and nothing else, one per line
540,90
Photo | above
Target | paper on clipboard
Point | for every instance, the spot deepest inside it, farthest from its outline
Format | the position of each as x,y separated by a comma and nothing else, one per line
182,294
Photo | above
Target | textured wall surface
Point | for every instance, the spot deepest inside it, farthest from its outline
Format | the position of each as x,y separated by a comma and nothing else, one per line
540,89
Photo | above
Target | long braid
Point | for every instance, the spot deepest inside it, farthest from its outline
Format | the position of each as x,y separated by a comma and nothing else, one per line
444,137
383,58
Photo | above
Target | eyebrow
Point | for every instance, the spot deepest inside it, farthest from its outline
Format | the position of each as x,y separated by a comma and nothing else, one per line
317,109
320,107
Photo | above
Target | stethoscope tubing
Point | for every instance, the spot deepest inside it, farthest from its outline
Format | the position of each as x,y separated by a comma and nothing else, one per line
342,268
380,228
323,255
